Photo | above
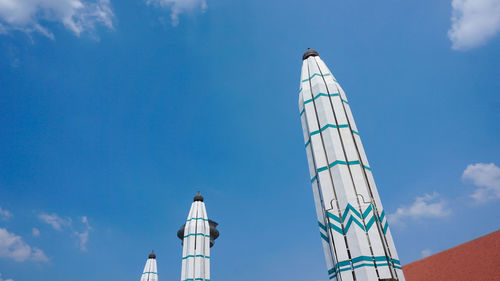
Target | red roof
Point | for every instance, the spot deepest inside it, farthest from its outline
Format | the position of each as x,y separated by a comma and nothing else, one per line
477,260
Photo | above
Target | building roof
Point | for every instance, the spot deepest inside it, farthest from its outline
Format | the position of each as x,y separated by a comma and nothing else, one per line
478,259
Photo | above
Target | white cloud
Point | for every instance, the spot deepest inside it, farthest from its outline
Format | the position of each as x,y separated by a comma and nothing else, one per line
35,232
84,236
474,22
487,179
76,15
59,224
425,253
5,214
427,206
1,278
12,246
55,221
38,255
179,6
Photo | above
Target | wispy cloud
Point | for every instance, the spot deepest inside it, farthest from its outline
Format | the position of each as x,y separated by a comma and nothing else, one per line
5,214
3,30
486,177
35,232
78,16
12,246
426,206
55,221
1,278
84,235
59,223
179,6
473,22
38,255
425,253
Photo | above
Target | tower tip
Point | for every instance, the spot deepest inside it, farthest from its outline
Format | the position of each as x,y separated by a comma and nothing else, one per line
152,255
198,197
310,53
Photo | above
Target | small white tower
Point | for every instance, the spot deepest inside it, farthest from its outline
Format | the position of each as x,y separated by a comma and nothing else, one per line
150,272
197,235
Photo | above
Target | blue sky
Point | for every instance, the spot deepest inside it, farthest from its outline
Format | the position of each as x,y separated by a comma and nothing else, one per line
114,113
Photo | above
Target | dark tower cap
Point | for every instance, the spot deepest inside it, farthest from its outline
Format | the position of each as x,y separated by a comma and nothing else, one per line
198,197
309,53
152,255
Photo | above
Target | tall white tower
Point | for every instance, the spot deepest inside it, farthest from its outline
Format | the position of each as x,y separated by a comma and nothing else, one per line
150,272
357,242
198,236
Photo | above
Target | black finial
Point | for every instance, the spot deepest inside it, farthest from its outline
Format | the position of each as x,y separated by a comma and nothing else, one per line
309,53
152,255
198,197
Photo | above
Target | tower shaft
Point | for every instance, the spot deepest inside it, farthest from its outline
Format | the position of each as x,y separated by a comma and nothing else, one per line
356,239
196,245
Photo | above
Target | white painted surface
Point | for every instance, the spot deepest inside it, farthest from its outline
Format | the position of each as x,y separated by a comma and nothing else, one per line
341,177
150,272
196,244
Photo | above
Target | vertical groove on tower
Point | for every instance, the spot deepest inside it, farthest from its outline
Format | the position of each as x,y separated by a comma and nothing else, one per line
372,201
345,155
335,262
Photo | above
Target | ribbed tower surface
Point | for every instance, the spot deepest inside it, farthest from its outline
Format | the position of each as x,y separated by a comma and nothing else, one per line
196,243
150,272
356,239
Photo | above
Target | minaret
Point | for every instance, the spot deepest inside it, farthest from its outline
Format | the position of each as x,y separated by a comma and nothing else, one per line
198,235
356,239
150,273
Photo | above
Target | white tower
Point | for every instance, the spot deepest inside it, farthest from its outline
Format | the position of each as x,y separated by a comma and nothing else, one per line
356,238
197,235
150,272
